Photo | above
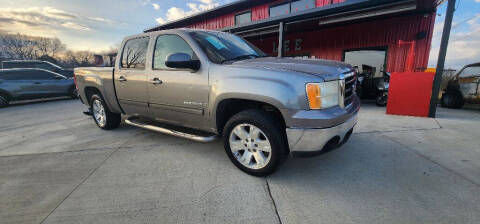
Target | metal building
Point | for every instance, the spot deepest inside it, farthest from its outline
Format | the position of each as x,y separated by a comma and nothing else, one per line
389,35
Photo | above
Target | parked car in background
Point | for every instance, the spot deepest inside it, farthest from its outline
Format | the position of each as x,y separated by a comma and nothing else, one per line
203,84
463,88
30,83
37,64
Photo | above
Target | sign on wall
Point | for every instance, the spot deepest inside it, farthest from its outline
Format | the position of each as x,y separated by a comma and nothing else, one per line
288,45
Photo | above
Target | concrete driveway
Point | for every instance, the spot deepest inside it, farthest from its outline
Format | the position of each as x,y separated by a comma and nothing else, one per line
56,166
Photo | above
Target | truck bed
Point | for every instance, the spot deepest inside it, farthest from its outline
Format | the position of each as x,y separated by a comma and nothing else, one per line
97,79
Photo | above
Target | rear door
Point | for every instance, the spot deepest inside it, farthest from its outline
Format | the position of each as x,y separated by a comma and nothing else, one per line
182,96
131,78
50,84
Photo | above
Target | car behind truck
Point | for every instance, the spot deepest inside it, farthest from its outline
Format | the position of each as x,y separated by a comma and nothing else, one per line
203,84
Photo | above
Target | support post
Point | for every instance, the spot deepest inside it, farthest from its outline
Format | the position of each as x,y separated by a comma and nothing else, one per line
281,35
441,58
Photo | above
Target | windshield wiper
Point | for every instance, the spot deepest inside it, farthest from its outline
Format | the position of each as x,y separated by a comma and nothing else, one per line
247,56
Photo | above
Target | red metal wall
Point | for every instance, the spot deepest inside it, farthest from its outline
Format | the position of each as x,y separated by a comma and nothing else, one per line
330,43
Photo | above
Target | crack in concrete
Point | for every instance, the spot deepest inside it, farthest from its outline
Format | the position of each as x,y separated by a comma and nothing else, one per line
273,201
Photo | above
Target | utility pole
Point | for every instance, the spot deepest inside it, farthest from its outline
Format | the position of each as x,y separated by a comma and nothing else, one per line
441,58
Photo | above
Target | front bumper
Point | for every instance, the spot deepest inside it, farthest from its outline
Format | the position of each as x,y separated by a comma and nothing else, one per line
317,140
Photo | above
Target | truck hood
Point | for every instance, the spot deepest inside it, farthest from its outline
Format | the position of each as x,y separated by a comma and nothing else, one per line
326,69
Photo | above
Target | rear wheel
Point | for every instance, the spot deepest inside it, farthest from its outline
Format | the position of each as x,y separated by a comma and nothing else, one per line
104,118
4,100
381,100
255,143
452,100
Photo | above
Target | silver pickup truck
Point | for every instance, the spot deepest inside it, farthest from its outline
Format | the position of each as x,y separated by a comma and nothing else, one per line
200,84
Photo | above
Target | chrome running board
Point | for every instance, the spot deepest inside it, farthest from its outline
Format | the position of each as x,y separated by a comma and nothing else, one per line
197,138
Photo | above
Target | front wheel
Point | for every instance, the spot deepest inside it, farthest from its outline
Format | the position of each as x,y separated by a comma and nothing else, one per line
255,143
104,118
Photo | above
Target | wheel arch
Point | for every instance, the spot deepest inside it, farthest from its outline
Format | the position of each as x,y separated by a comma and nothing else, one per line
6,93
228,107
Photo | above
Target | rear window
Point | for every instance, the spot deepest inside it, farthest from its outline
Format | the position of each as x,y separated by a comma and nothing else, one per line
134,53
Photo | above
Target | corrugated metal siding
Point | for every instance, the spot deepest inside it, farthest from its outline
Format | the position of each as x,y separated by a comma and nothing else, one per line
320,3
330,43
259,12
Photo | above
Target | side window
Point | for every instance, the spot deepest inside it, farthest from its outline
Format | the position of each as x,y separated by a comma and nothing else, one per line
134,53
42,75
300,5
279,10
243,18
166,45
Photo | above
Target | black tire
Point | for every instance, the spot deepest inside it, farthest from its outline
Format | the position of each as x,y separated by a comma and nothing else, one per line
274,133
112,120
382,100
4,100
452,100
73,92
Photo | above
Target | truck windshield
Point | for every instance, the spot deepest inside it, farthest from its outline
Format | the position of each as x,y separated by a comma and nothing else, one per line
223,47
470,71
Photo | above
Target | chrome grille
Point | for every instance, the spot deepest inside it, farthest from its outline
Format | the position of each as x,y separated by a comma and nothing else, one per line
350,81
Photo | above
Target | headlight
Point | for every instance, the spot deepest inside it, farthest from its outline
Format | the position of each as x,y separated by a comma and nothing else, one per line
323,95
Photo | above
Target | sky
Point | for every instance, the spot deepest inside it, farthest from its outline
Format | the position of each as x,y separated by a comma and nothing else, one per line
100,24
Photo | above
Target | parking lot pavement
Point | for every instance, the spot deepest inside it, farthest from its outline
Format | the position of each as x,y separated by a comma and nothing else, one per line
58,167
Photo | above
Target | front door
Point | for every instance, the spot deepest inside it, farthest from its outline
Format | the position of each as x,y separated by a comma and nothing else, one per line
177,96
131,79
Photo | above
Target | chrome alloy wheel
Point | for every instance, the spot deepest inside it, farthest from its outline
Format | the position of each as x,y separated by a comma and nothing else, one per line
250,146
99,113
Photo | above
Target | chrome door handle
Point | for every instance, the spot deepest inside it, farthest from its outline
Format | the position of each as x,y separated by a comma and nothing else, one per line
156,81
122,79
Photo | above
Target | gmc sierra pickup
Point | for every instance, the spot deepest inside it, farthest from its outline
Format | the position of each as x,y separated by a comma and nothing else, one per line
200,84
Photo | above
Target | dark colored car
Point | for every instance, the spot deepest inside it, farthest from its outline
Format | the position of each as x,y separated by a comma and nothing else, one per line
28,83
37,64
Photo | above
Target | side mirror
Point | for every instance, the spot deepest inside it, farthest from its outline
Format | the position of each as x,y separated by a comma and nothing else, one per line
182,61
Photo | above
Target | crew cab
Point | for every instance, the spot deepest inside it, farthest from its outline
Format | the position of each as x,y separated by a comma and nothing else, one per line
201,85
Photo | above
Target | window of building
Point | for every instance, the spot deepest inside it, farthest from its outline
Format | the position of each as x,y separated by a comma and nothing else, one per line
280,10
301,5
166,45
243,18
134,53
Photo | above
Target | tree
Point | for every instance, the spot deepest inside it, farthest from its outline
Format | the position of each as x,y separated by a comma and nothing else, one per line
49,47
79,58
17,46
